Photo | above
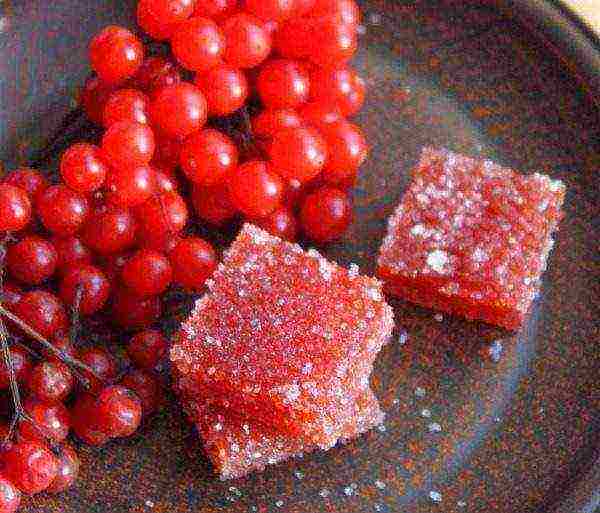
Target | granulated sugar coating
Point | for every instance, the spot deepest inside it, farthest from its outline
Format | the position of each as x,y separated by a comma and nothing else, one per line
471,238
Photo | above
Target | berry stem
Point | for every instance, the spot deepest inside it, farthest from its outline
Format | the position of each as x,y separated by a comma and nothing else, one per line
12,379
75,318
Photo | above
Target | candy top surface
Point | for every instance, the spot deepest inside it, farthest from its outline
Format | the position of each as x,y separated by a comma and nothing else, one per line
276,315
473,228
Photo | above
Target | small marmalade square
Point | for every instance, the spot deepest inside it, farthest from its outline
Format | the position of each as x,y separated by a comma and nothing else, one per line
471,238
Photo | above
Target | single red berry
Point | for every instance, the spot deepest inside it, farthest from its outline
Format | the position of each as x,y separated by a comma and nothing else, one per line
32,260
126,105
93,97
10,496
147,348
92,283
325,214
218,10
147,273
207,156
62,210
15,208
68,469
31,466
110,231
84,419
347,152
116,54
247,42
193,260
49,420
43,312
119,410
70,251
159,18
213,204
101,362
132,312
178,110
277,10
130,186
165,177
30,180
283,83
128,144
270,121
281,223
319,114
340,87
82,167
198,44
161,216
255,189
62,342
298,153
155,73
21,363
344,11
333,42
51,381
225,89
147,387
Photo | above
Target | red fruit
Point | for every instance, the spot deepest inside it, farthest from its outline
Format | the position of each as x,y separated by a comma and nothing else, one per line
82,168
166,179
93,98
167,152
62,210
298,153
162,244
341,88
147,388
247,42
193,260
30,180
10,295
218,10
179,110
347,151
319,114
110,231
255,189
270,121
119,410
116,54
32,260
147,273
51,381
303,7
132,312
207,156
84,419
325,214
283,83
101,362
126,105
155,73
280,223
159,18
63,343
293,39
70,251
333,42
21,363
161,216
277,10
43,312
93,284
49,420
198,44
213,204
15,208
147,348
128,144
68,469
130,186
10,496
225,89
30,466
344,11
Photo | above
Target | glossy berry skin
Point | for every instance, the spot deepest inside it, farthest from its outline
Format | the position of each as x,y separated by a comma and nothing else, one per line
119,410
281,223
30,180
179,110
94,286
207,156
161,216
51,420
255,189
325,214
128,144
147,273
50,381
31,466
247,42
334,43
283,83
165,178
82,167
93,97
116,54
225,89
319,114
198,44
101,362
340,87
147,348
159,18
270,121
21,363
132,312
15,208
70,251
213,204
298,153
126,105
276,10
68,469
130,186
10,496
347,152
110,231
85,424
345,11
292,40
62,210
193,260
32,260
43,312
148,389
218,10
155,73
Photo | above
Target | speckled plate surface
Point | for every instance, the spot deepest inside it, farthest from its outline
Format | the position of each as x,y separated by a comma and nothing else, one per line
477,420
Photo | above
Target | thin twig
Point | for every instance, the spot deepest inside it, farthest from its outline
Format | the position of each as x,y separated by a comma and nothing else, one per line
75,309
12,380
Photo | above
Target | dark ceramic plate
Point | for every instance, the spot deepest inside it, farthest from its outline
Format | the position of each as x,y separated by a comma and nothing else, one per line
477,420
